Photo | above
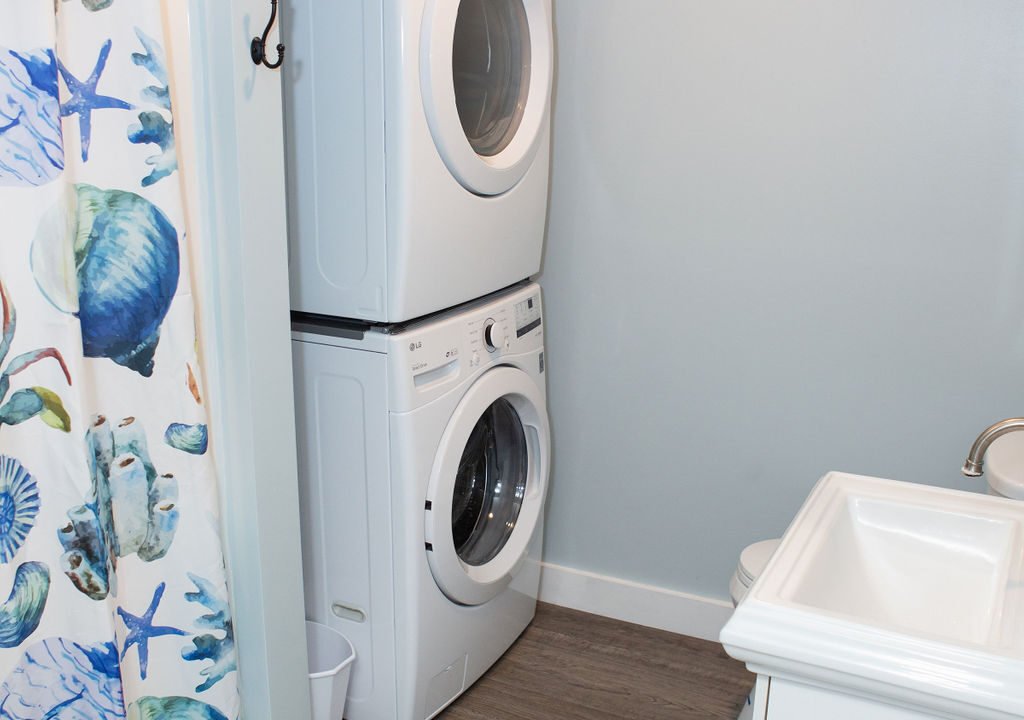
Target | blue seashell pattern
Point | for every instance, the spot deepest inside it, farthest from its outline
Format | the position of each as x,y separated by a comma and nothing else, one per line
192,439
126,264
95,5
60,678
127,275
31,144
19,506
20,615
178,708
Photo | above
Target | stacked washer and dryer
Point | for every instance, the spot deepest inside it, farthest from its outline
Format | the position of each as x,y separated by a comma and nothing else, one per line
418,139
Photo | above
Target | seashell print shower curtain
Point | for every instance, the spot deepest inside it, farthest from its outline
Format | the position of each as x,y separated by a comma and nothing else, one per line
113,599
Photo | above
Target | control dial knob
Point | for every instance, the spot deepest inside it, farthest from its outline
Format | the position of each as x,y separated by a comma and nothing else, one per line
494,335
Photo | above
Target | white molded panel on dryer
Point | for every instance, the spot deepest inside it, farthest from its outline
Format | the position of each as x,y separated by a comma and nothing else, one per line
334,123
342,425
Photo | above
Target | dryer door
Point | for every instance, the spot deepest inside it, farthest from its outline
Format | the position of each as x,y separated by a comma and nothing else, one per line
487,486
485,75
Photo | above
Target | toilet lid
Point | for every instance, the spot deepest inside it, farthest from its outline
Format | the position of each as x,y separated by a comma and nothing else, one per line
1004,465
754,559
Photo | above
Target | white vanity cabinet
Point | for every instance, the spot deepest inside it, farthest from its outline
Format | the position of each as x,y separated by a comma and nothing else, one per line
778,699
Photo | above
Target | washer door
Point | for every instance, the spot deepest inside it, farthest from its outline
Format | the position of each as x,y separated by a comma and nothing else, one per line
487,486
485,75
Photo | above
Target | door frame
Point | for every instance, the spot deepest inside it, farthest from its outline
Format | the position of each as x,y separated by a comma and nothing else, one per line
239,223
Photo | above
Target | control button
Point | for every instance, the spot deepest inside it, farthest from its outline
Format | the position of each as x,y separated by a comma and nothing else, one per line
475,360
494,336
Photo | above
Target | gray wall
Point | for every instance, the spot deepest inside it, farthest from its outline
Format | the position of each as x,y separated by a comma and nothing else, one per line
784,238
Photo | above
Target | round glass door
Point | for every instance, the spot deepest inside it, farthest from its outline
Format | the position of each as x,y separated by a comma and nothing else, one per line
491,71
485,79
490,485
485,496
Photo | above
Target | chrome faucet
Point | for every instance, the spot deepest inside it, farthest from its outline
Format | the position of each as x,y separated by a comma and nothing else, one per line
976,458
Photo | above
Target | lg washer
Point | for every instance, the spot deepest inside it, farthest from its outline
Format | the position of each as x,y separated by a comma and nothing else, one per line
423,458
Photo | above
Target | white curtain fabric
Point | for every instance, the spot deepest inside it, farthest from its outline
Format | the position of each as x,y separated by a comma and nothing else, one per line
110,559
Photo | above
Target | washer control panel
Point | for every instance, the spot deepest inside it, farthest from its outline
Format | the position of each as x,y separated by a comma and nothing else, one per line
527,315
510,326
444,349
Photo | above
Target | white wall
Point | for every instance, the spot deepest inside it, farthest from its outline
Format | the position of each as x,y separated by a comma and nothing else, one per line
784,238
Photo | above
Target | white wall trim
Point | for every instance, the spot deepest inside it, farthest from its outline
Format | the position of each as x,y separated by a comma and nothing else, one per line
634,602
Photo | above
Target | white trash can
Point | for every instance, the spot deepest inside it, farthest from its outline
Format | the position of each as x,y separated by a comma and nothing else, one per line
330,663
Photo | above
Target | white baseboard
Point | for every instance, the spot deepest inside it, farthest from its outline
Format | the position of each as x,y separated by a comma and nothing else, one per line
655,607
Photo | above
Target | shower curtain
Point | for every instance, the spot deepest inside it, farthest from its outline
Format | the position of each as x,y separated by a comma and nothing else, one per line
113,598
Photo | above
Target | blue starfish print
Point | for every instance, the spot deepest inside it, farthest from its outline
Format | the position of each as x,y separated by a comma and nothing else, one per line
141,629
84,98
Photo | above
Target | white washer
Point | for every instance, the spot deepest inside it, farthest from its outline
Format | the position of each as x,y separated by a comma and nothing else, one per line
418,135
423,462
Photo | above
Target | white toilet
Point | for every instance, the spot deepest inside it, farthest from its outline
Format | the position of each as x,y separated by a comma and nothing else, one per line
752,563
1004,466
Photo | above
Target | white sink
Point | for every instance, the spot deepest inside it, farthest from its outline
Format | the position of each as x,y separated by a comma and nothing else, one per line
895,590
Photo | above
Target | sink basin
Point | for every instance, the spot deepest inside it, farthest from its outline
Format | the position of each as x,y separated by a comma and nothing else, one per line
905,591
908,567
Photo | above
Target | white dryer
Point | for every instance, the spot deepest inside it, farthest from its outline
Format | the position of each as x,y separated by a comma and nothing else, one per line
423,463
418,136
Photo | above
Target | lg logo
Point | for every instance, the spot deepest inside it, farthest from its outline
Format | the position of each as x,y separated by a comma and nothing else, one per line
414,346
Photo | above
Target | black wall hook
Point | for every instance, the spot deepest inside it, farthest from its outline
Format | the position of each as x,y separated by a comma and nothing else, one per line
258,49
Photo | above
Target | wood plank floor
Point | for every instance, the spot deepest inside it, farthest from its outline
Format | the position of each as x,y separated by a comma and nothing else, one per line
570,665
